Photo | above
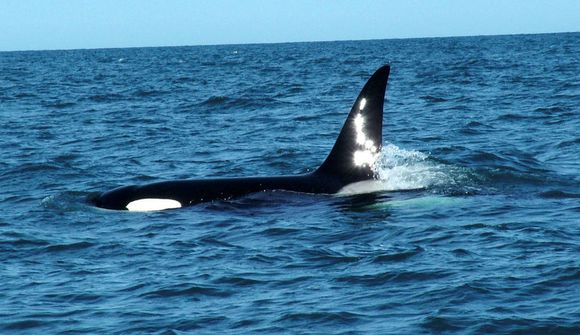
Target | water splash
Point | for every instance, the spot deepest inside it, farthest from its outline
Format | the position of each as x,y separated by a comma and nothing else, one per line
399,169
404,170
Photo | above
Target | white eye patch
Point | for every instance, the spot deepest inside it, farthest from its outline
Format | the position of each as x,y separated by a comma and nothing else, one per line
152,204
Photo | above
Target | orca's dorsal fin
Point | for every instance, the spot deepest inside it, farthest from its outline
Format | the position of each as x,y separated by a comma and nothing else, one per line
358,144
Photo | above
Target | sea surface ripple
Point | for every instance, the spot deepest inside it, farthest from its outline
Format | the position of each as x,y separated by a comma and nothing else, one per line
474,230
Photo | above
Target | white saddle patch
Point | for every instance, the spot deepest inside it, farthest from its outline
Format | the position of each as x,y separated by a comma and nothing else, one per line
362,187
152,204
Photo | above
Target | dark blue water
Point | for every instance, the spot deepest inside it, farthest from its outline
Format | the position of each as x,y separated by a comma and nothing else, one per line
476,229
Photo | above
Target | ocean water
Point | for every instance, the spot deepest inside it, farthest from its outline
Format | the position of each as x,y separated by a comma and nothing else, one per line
475,228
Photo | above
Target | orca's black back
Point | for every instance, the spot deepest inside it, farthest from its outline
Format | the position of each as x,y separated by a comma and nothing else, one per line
350,160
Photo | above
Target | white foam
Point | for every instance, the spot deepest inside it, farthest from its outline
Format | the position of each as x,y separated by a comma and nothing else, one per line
152,204
400,169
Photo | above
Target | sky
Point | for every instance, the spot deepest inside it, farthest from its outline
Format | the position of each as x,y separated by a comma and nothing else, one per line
82,24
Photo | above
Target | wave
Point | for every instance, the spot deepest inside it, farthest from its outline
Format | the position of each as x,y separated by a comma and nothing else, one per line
186,290
400,169
433,99
69,201
557,194
409,170
59,104
248,103
69,246
215,100
144,93
480,172
392,276
321,317
103,98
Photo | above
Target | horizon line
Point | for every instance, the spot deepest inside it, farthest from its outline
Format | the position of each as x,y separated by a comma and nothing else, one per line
288,42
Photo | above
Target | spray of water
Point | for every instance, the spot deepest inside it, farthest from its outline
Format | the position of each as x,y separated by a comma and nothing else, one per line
401,170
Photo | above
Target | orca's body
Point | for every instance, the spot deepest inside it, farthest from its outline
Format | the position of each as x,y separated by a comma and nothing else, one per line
349,161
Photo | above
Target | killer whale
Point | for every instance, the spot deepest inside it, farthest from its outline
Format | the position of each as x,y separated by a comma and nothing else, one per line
349,161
